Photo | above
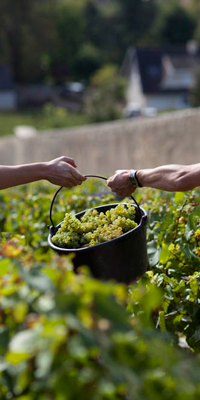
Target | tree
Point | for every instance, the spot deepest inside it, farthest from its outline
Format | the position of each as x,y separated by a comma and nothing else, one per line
195,10
37,36
178,25
88,60
195,93
27,29
113,26
69,28
137,17
105,96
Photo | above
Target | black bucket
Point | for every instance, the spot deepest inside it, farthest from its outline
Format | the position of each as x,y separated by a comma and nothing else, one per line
123,259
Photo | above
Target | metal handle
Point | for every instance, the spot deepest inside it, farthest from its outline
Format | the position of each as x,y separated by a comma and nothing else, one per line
87,176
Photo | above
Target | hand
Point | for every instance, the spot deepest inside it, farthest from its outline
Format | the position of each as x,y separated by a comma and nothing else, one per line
62,171
120,184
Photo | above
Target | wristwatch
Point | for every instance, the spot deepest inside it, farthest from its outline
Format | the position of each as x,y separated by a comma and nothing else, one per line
133,178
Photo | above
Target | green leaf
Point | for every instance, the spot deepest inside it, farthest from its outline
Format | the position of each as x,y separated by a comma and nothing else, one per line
4,337
178,197
36,280
3,366
162,321
16,358
180,285
24,342
188,231
196,211
43,363
153,253
194,286
197,334
167,221
106,307
4,266
164,254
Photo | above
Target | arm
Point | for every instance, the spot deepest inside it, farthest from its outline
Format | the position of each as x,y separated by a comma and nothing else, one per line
60,171
171,178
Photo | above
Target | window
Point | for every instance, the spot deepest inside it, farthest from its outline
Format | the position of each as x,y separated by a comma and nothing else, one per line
153,71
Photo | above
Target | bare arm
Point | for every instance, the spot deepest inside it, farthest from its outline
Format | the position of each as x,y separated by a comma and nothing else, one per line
171,178
60,171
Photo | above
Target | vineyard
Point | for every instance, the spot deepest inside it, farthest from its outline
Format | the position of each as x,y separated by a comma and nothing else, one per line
65,336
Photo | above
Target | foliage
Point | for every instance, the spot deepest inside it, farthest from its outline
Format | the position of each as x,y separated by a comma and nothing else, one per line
27,29
174,258
69,28
65,335
137,19
66,40
87,62
169,25
58,117
178,24
115,25
195,92
195,10
105,96
39,35
48,117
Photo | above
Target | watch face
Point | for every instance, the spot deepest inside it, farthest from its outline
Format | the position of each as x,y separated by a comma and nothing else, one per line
133,179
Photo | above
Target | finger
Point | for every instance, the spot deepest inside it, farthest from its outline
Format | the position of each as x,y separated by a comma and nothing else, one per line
77,175
110,181
120,192
114,190
125,192
75,180
70,183
121,195
70,161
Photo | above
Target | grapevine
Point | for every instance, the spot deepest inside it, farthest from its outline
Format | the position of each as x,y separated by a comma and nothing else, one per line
95,227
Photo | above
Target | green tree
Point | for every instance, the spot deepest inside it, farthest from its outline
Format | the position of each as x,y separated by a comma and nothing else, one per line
69,27
94,23
113,26
195,93
87,61
137,18
36,36
177,25
26,29
195,10
105,97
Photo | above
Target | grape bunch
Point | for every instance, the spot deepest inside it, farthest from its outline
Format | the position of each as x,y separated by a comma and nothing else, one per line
95,227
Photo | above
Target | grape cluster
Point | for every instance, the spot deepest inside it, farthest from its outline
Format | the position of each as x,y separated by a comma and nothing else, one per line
94,227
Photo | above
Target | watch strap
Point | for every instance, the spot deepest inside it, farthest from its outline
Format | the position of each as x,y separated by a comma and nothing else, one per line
133,179
137,179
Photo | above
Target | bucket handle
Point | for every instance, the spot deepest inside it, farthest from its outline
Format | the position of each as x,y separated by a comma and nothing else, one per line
87,176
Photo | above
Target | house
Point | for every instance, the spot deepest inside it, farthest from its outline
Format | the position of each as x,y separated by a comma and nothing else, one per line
161,77
8,96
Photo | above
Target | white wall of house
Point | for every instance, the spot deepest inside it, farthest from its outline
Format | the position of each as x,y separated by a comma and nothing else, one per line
166,102
8,100
134,90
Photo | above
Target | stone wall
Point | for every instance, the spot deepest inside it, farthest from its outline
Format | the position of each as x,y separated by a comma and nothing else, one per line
103,148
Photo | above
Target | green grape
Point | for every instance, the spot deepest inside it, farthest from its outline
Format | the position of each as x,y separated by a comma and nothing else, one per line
94,228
